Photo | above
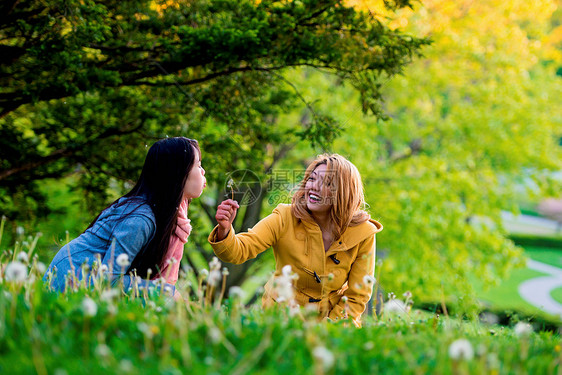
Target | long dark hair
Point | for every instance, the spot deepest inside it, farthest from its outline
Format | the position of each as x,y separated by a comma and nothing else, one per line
161,183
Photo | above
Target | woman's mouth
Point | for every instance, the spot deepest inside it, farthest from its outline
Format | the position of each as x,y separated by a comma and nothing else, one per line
314,198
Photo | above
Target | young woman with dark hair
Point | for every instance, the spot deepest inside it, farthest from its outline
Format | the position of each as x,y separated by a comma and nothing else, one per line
143,231
324,239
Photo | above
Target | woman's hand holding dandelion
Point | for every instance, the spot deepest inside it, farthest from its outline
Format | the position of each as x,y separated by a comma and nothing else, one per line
226,212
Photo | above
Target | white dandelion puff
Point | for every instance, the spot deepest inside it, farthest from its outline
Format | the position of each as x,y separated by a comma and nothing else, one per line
15,271
324,356
103,350
215,264
126,365
214,277
123,260
23,257
368,280
236,292
109,295
41,268
215,335
394,306
287,270
461,349
522,329
89,307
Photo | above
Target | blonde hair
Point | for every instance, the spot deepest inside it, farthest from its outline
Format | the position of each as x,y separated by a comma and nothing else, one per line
348,200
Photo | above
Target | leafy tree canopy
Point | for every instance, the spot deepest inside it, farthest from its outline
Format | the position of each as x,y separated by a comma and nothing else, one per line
474,125
88,84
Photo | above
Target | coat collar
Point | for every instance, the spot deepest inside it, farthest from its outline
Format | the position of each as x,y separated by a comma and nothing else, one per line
351,237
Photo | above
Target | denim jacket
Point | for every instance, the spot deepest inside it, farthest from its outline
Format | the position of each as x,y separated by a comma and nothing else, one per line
125,227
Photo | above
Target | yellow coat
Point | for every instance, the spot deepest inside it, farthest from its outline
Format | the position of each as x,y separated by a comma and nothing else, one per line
323,276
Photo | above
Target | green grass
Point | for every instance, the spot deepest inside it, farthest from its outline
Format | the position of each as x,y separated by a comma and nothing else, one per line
556,294
546,255
505,295
44,333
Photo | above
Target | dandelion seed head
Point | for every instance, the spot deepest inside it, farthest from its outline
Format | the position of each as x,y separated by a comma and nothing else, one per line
461,349
89,307
15,271
236,292
368,280
126,365
225,271
407,294
324,356
523,329
344,299
109,295
215,264
123,260
112,309
294,309
215,335
287,270
204,273
394,305
41,267
214,277
23,257
369,345
103,350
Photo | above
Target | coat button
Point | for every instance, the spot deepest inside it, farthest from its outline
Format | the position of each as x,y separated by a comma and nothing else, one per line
317,277
333,258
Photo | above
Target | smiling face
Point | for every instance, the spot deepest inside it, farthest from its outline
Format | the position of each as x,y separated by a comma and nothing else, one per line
318,191
196,180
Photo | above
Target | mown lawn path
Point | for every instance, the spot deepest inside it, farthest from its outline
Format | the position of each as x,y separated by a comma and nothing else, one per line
537,291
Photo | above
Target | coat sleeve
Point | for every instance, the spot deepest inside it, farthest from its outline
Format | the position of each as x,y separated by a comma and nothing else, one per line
359,290
238,248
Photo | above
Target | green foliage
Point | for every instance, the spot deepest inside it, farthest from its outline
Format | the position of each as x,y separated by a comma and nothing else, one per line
472,127
87,86
87,83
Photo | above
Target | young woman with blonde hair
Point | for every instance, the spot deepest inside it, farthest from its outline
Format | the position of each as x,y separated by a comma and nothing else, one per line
324,235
